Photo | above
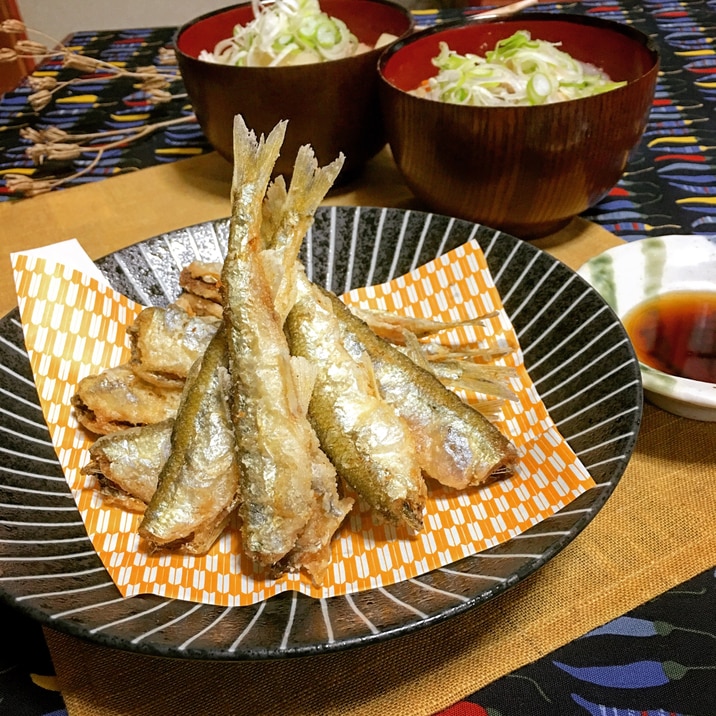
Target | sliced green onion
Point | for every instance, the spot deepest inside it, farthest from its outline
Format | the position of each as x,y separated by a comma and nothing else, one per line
286,32
519,70
539,88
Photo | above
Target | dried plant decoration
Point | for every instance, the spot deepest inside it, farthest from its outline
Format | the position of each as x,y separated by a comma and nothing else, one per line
160,83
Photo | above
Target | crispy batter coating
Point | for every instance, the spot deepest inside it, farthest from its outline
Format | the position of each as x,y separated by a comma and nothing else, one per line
166,342
117,398
202,279
198,306
127,463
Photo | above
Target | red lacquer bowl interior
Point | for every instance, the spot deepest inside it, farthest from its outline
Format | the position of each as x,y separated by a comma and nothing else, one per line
366,23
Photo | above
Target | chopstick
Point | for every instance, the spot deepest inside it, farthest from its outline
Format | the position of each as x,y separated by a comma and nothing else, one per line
504,11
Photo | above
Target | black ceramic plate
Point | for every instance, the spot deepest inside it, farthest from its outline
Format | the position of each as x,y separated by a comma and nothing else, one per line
575,349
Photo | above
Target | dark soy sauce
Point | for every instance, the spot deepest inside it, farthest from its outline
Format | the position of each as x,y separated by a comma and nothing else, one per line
676,334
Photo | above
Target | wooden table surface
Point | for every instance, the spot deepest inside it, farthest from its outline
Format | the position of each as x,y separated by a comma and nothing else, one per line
116,212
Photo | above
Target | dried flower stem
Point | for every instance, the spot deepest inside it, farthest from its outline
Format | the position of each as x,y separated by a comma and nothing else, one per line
71,146
137,133
31,49
55,144
49,146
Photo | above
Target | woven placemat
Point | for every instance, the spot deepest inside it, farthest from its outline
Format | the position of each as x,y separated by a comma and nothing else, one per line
654,532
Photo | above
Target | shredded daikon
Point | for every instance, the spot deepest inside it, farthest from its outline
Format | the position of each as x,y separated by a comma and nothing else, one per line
285,32
519,71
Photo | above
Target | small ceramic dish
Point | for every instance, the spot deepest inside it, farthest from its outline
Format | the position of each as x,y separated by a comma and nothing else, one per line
630,276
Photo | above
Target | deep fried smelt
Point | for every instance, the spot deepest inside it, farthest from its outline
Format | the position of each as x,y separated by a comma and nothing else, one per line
370,445
456,445
286,216
392,326
117,398
274,438
166,342
127,463
197,488
202,279
197,306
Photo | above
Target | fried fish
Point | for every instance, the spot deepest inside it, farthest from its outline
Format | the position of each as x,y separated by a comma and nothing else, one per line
274,437
286,217
456,445
127,463
165,343
201,290
370,445
117,398
203,279
197,488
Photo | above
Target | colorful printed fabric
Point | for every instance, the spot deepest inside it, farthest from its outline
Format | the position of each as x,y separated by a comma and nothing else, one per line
657,660
669,185
109,108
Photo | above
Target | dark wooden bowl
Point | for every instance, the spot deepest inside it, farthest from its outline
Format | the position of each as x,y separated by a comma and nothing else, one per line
333,106
526,170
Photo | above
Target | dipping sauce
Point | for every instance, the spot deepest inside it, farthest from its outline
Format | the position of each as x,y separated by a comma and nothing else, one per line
676,334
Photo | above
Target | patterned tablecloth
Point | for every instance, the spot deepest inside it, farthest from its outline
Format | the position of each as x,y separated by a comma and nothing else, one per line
640,663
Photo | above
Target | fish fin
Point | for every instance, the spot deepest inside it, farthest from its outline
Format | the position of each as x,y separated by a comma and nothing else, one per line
312,551
304,375
309,186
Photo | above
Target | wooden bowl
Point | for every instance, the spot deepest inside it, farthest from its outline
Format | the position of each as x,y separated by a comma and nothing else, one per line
334,105
527,170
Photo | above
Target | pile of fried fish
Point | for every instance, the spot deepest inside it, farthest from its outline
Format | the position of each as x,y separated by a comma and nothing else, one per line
260,392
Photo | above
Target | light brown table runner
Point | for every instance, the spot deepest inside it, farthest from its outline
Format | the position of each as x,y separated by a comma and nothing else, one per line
122,210
118,211
654,532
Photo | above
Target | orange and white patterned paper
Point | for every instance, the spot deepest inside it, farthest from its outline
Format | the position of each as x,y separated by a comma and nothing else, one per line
76,325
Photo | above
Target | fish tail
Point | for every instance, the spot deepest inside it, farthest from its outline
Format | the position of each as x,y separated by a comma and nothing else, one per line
254,161
288,215
309,186
310,183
